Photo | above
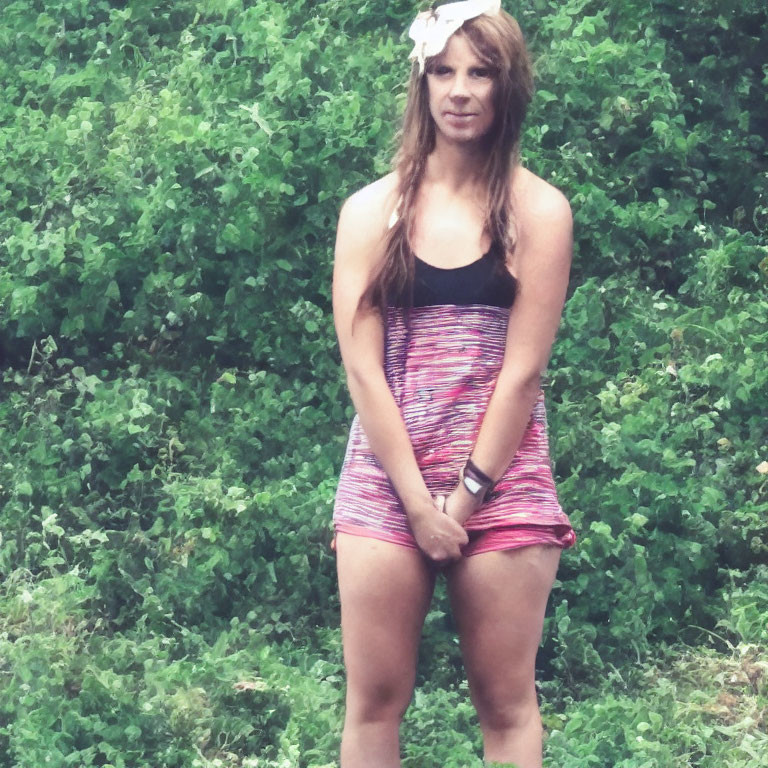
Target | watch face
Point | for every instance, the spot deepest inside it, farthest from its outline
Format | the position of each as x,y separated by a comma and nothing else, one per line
472,485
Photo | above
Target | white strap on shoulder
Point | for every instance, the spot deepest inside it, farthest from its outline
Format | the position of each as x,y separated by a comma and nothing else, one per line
395,213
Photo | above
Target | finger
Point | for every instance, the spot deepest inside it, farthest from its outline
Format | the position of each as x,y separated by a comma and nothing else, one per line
445,554
460,530
435,550
456,556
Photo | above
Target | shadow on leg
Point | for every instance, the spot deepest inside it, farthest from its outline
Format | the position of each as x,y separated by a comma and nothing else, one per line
499,600
385,593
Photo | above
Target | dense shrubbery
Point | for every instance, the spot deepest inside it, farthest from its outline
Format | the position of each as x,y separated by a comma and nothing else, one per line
174,413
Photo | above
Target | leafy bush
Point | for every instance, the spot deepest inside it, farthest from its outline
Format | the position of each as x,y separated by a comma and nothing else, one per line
174,412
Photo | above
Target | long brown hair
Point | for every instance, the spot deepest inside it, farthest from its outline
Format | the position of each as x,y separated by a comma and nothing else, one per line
498,42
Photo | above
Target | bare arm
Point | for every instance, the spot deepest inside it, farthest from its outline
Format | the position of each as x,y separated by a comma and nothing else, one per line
543,272
359,248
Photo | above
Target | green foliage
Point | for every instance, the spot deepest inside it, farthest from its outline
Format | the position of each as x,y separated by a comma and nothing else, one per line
689,708
190,530
173,409
681,430
83,696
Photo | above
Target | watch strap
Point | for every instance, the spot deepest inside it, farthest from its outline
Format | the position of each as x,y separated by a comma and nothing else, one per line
477,483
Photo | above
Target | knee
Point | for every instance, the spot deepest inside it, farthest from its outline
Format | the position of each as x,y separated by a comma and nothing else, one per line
506,708
379,700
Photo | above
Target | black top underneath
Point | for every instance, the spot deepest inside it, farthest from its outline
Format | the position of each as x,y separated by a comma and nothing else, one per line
484,281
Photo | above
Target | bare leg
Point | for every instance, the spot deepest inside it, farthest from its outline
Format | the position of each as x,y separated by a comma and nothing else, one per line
385,593
499,600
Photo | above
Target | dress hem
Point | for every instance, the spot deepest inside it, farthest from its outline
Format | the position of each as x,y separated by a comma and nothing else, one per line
489,539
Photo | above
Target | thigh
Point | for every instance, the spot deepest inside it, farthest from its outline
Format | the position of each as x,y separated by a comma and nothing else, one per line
499,599
385,592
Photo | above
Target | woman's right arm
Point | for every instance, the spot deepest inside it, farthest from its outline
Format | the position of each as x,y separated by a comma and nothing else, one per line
359,249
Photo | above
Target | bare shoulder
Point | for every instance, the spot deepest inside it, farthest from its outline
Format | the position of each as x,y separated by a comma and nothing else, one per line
538,202
544,221
365,214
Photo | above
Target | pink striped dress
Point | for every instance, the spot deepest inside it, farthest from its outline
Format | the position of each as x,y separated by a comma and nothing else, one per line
442,371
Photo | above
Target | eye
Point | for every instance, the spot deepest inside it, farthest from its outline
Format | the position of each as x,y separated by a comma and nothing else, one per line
440,69
483,72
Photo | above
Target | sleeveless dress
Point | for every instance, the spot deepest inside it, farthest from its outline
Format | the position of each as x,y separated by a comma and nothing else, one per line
442,367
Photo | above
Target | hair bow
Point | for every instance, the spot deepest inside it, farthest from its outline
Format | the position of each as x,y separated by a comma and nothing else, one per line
431,29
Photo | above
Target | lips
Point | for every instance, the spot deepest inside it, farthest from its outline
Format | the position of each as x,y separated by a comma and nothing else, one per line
459,119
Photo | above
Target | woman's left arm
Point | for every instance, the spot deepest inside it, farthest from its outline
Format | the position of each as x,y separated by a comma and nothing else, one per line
543,267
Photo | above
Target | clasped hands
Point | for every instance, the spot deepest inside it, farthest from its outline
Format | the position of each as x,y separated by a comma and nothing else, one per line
439,531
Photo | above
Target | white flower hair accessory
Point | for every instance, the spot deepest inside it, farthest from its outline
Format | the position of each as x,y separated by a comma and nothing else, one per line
431,29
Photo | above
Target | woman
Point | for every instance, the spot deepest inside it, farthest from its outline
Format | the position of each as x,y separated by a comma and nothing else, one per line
449,280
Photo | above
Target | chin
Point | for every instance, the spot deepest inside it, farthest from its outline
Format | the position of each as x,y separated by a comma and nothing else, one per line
459,133
463,136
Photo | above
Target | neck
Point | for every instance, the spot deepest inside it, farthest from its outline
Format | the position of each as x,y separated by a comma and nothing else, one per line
455,167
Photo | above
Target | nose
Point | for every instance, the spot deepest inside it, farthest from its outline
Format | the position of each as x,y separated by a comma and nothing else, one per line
459,87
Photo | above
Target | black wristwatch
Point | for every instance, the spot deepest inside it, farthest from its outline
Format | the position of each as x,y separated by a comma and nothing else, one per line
477,483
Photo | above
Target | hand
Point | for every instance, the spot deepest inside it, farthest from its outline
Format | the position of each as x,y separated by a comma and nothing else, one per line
460,505
438,536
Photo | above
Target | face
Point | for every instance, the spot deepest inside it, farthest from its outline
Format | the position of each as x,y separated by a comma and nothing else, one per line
461,92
